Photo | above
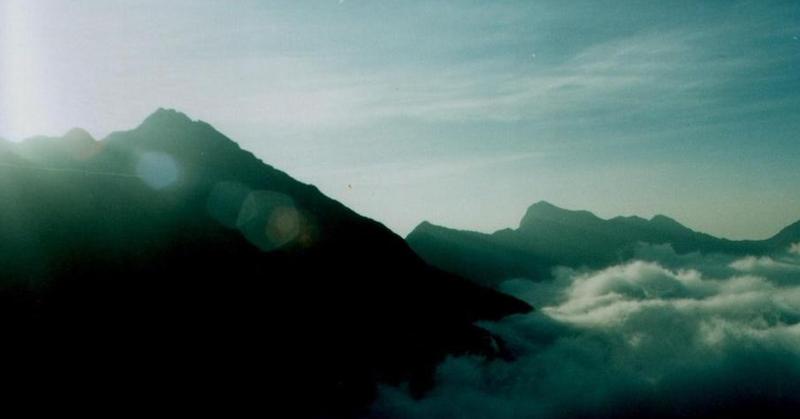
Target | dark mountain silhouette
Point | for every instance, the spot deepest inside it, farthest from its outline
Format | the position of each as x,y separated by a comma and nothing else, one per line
549,236
166,263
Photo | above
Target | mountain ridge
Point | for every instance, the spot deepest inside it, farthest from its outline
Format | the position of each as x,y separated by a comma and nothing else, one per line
550,236
194,265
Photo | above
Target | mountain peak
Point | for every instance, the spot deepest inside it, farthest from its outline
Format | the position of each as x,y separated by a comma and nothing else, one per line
543,205
163,117
545,211
423,227
789,234
666,224
663,220
168,130
78,135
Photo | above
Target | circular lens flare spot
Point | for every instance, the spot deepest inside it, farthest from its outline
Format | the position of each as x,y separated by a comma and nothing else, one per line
158,170
269,219
225,201
283,225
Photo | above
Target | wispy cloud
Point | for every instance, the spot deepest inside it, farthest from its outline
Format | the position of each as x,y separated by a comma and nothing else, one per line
446,83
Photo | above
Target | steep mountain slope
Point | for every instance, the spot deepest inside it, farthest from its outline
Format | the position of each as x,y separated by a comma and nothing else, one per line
166,262
549,236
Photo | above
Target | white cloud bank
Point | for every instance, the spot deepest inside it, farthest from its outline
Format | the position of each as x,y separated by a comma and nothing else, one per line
657,337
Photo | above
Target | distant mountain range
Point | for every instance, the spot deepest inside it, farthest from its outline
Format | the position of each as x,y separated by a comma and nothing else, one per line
166,263
550,236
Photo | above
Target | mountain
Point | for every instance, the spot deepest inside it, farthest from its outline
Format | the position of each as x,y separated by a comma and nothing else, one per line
550,236
165,263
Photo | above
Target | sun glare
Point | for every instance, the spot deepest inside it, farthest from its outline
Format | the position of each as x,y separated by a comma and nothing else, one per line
23,104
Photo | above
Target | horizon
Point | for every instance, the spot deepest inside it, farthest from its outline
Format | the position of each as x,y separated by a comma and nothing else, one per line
542,201
462,114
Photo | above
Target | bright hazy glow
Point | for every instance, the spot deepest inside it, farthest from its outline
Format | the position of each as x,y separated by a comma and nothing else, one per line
23,106
461,113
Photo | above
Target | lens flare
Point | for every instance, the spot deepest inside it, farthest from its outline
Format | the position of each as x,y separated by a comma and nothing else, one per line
225,201
283,225
268,219
157,170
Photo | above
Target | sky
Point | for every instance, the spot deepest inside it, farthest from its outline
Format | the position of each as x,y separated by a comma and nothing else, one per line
462,113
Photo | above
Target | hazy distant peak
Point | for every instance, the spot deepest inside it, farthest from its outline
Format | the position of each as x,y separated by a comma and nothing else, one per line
545,211
789,234
664,221
630,218
78,135
426,227
661,218
424,224
164,118
543,205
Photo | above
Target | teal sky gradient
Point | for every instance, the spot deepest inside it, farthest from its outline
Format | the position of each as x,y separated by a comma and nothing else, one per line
462,113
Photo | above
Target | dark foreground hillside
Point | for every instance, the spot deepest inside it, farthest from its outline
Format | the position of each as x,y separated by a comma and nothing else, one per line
167,264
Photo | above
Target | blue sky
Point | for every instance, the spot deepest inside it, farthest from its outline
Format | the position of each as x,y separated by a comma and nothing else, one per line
462,113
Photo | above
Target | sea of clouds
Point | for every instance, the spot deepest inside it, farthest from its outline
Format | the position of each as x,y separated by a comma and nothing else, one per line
664,335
